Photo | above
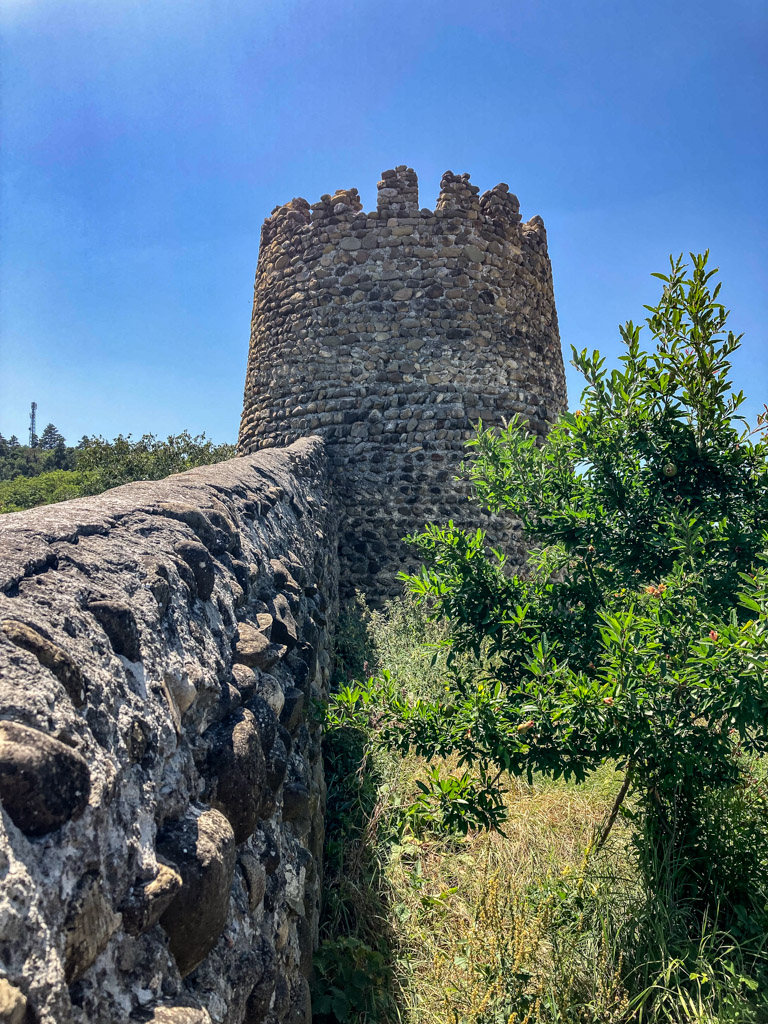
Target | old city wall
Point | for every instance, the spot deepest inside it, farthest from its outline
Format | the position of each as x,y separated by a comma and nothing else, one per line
160,769
390,334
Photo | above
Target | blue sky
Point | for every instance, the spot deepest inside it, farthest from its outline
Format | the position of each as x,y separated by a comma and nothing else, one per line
144,142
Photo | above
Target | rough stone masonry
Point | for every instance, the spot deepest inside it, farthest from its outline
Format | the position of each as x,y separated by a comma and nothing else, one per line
161,647
391,334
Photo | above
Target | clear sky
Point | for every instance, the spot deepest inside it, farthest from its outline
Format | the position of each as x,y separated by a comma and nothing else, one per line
144,141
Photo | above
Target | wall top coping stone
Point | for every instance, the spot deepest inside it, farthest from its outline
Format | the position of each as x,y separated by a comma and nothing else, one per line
25,537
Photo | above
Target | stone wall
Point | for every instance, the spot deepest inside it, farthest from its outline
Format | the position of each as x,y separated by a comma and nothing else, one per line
390,334
160,770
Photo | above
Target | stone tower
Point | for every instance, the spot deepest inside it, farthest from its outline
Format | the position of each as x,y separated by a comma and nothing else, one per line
391,334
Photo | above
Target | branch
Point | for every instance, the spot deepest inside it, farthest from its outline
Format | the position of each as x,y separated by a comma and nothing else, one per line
615,809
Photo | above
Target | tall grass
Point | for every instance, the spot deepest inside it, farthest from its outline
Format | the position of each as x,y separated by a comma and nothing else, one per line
533,926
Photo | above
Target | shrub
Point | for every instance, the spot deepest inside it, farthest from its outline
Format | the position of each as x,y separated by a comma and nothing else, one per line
636,634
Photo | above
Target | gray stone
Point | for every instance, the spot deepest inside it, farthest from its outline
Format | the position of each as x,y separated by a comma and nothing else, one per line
50,656
147,901
179,1015
43,783
260,997
256,650
255,876
277,764
296,801
293,710
284,625
13,1004
203,849
90,924
237,771
199,560
119,623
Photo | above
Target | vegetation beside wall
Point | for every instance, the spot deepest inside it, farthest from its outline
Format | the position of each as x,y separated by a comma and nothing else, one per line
530,924
602,712
49,471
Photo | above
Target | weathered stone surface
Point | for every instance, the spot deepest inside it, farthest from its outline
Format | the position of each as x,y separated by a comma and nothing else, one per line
296,801
50,655
256,650
255,876
96,898
200,562
261,994
284,629
270,691
293,709
179,1015
147,901
13,1004
277,764
90,924
215,540
119,623
203,848
245,679
43,783
238,774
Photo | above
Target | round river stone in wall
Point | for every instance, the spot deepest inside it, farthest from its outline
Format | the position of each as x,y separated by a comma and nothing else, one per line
203,849
238,771
43,783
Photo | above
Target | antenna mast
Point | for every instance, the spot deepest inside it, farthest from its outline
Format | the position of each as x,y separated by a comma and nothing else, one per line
33,425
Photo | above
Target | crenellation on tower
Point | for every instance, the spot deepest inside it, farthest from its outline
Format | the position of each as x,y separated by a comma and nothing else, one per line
390,334
285,221
500,215
398,193
458,196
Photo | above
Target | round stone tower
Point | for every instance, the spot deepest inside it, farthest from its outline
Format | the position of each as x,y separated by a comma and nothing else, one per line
391,334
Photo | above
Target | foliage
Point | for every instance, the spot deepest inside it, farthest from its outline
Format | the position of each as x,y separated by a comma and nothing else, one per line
28,492
22,460
352,641
351,983
123,460
525,926
52,472
362,820
636,635
50,438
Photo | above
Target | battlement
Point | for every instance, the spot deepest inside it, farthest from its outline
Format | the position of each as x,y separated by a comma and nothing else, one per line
390,333
496,211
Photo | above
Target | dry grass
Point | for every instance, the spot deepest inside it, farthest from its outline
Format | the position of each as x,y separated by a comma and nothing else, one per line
473,916
529,927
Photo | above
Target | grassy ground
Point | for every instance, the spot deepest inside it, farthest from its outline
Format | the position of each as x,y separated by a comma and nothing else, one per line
528,926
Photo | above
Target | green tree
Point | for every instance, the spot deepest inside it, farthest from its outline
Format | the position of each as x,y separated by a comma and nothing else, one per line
636,633
28,492
38,476
111,463
50,438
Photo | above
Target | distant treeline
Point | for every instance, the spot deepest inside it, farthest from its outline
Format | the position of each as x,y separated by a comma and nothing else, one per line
48,470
